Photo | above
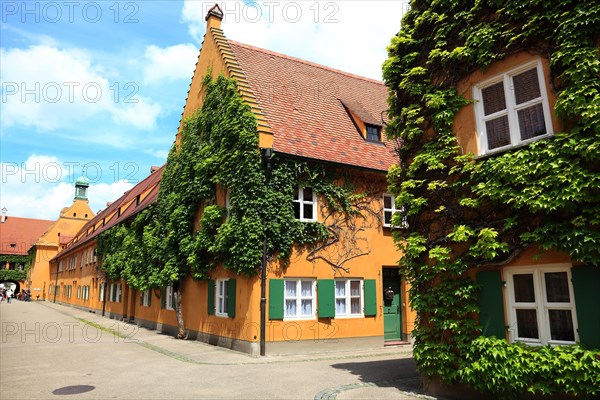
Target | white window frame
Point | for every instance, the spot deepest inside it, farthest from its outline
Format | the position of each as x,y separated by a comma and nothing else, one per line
347,296
169,300
541,304
300,200
393,210
146,298
511,108
298,298
221,298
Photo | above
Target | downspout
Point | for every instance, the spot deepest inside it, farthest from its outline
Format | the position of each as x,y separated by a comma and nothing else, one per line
267,155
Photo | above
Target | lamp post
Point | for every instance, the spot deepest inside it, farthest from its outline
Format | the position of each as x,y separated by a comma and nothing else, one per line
267,155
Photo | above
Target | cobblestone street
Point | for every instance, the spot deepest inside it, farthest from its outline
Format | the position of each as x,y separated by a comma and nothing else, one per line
49,350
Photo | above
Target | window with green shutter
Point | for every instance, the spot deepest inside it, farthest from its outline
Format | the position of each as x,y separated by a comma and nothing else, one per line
491,304
586,288
276,299
231,298
211,297
326,298
370,297
163,297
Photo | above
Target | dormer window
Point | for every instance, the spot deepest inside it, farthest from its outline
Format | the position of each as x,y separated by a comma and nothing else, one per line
137,200
373,133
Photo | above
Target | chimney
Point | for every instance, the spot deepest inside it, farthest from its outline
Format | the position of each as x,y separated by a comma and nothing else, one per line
3,218
153,169
214,17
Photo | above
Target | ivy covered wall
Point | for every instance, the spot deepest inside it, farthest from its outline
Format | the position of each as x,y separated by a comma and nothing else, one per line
465,213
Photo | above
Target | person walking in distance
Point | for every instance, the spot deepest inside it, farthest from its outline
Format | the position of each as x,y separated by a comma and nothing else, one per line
9,294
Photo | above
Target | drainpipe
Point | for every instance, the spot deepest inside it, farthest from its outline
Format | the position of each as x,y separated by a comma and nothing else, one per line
267,155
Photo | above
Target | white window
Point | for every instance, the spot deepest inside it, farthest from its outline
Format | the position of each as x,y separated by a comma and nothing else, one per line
146,298
299,298
78,292
228,202
221,298
305,204
389,209
348,298
101,291
541,305
512,109
169,301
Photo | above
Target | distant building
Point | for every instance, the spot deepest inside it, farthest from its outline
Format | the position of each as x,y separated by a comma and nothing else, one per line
55,237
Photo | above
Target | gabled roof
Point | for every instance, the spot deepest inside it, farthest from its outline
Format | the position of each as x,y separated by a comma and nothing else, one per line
118,211
304,105
17,235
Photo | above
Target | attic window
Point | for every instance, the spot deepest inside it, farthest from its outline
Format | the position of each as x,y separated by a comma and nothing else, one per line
373,133
137,200
13,245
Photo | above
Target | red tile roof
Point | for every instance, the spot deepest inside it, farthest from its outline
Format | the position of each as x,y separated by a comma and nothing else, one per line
302,103
17,235
110,216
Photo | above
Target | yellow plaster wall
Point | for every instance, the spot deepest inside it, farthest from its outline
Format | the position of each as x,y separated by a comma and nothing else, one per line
70,221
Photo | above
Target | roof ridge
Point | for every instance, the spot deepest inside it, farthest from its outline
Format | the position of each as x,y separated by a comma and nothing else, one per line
311,63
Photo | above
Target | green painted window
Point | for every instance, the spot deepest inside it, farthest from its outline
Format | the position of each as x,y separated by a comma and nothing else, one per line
370,297
491,304
276,299
231,298
586,288
211,297
326,298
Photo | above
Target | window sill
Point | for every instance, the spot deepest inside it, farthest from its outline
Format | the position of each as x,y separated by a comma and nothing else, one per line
349,316
510,148
302,318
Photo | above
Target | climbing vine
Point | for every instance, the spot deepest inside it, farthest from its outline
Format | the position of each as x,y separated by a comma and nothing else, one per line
463,213
185,232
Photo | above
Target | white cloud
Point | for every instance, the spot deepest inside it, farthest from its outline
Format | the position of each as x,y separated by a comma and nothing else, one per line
65,88
42,186
348,35
169,63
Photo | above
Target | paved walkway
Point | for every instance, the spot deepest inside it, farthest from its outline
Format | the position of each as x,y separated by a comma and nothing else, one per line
48,350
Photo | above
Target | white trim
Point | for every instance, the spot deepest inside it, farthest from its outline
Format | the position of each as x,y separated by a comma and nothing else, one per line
146,297
221,298
298,298
511,108
541,305
348,298
301,201
169,298
391,210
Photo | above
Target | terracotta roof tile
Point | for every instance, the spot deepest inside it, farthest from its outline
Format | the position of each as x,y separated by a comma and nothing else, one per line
301,103
17,235
147,189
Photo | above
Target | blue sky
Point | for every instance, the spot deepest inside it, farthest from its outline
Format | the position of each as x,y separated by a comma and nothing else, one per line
97,88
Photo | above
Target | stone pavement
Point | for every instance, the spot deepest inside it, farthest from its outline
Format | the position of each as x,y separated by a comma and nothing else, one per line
46,348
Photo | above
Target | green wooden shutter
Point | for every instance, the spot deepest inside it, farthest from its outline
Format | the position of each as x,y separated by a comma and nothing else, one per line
370,297
586,285
120,291
491,304
163,297
231,298
276,304
211,297
141,298
150,292
326,298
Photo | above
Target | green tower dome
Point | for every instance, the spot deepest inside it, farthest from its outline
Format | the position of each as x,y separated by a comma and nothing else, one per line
81,186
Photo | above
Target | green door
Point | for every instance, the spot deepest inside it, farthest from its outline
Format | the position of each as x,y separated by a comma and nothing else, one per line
392,312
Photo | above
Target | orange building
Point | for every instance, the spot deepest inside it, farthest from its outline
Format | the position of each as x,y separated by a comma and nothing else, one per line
546,300
304,111
17,237
47,246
